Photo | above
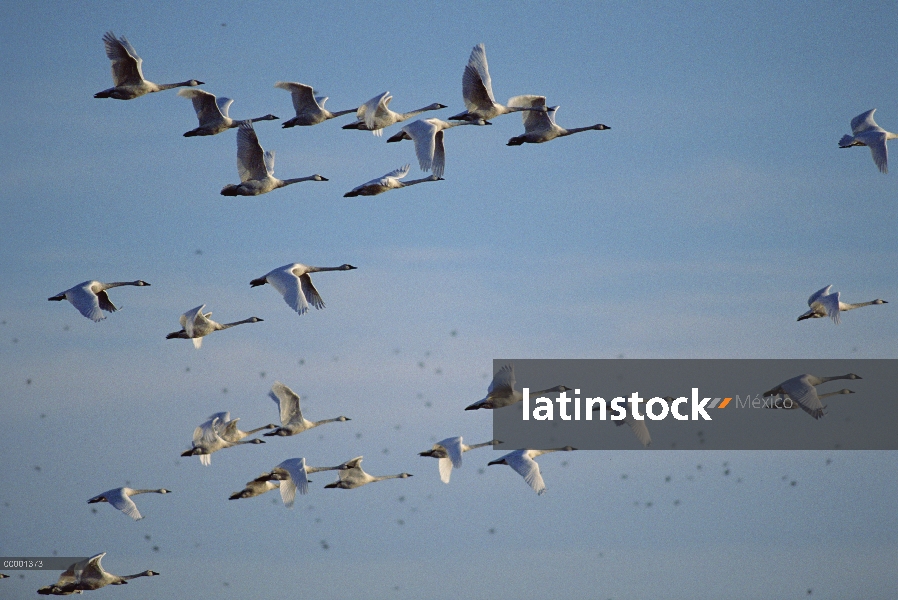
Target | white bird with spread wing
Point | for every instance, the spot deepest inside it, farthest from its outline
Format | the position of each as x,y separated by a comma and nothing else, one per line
207,439
89,297
293,475
120,498
352,476
375,114
212,113
292,421
803,391
256,167
865,132
522,462
294,284
309,108
127,72
195,325
501,392
427,134
826,304
388,182
449,452
540,127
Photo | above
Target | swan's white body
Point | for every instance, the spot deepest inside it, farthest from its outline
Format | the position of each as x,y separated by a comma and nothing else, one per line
120,498
375,114
294,284
212,113
449,453
803,391
352,476
256,167
127,72
427,134
309,108
388,182
502,393
254,488
207,439
293,475
865,132
826,304
88,575
540,127
196,325
89,297
522,461
477,91
292,421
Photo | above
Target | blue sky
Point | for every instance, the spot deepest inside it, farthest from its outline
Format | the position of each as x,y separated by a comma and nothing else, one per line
696,227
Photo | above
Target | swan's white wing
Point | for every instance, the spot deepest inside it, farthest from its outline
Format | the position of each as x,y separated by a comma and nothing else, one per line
126,65
819,294
309,291
197,342
287,284
224,104
528,469
320,100
86,301
533,120
355,470
303,95
476,86
801,391
397,173
439,154
188,319
876,140
123,502
640,429
250,157
268,159
296,467
445,469
93,569
374,108
453,449
423,134
503,381
288,402
220,420
205,105
864,122
830,304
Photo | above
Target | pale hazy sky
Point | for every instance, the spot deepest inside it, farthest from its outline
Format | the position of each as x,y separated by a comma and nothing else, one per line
696,227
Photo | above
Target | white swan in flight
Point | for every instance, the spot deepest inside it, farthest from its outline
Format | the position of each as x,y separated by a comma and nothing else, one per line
781,402
256,167
540,127
212,113
120,498
294,284
826,304
865,132
195,325
522,461
501,392
388,182
230,432
374,115
309,108
89,575
427,134
477,90
640,429
89,297
207,439
127,74
449,452
293,475
353,476
803,391
292,421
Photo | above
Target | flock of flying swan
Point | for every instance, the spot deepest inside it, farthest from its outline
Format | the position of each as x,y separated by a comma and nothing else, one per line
255,168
